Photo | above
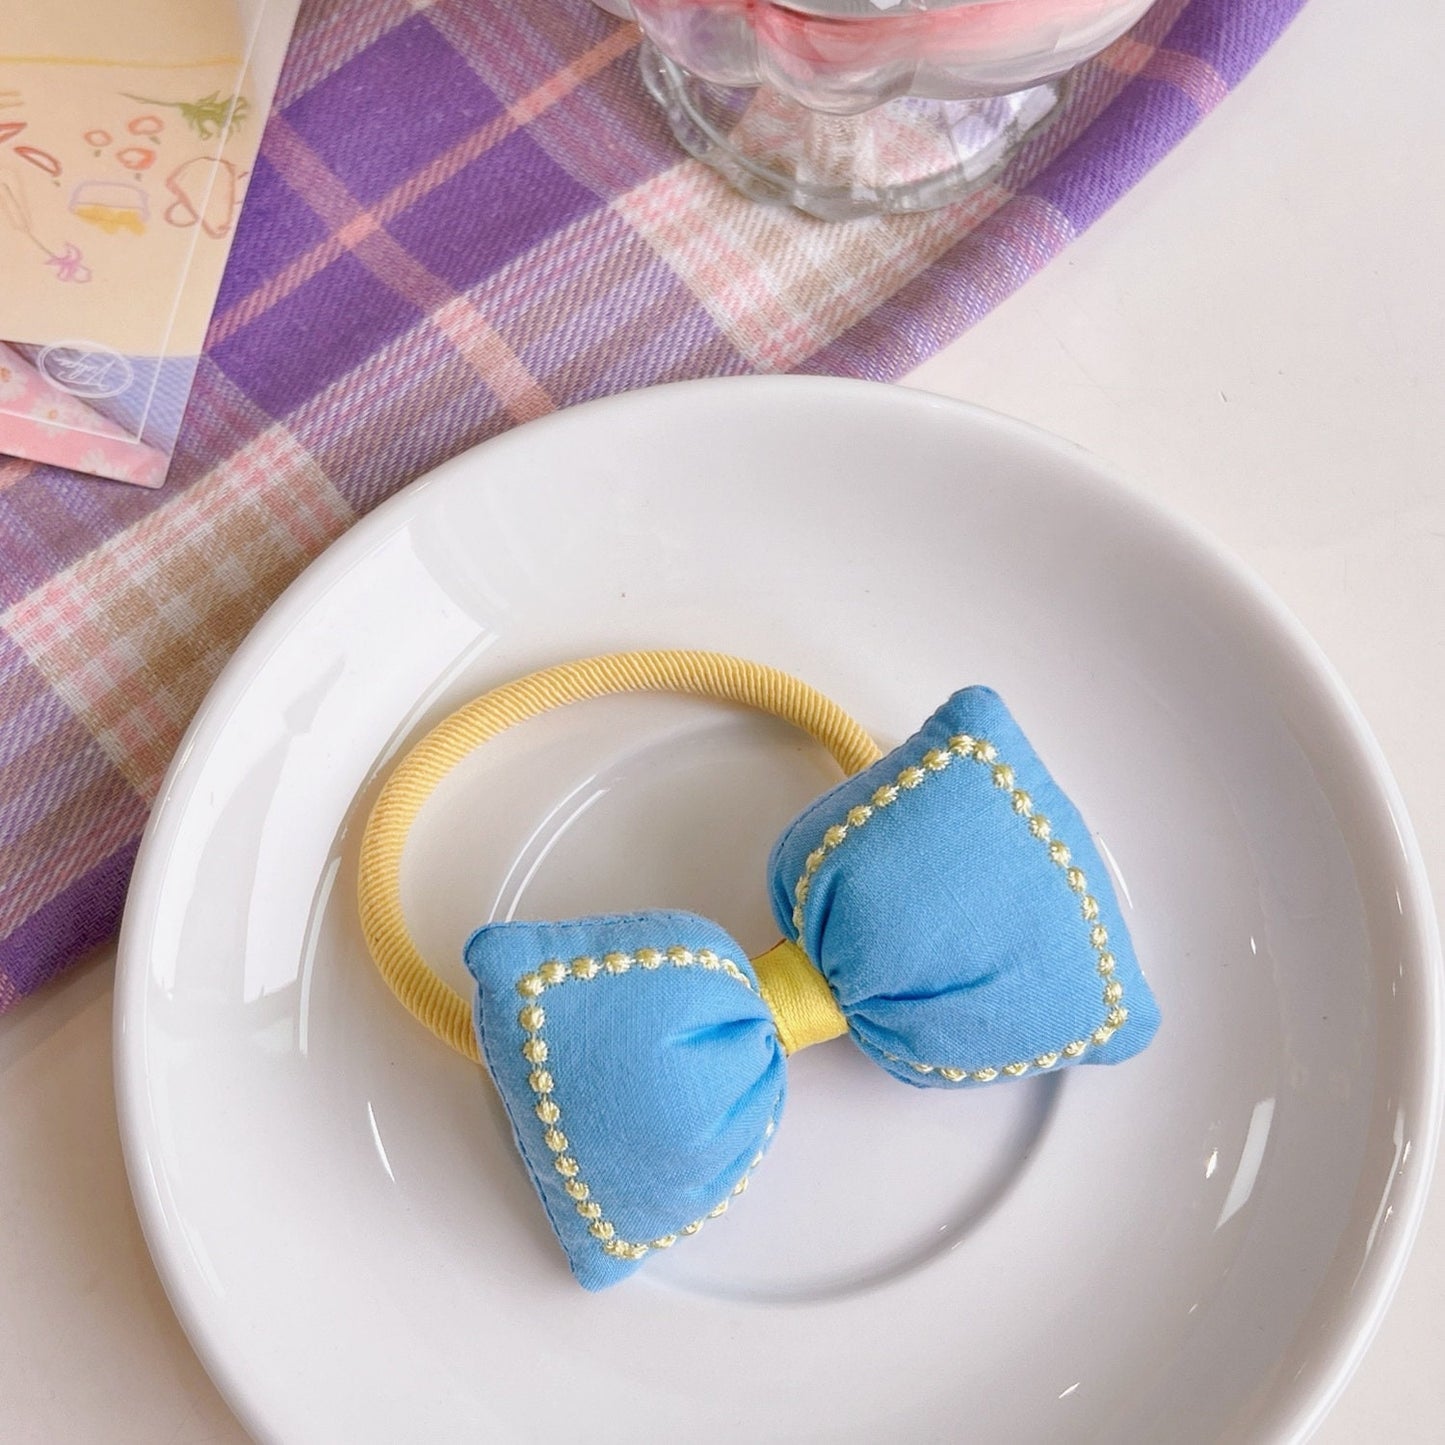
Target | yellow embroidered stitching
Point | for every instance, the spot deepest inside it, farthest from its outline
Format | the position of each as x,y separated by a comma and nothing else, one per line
533,1018
935,760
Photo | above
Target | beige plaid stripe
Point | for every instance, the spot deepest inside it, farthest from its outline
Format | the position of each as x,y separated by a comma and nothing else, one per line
132,635
778,286
63,807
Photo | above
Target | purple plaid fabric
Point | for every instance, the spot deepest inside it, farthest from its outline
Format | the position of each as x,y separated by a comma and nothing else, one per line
466,214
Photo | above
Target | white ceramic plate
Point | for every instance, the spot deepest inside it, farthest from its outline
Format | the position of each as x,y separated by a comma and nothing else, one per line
1194,1246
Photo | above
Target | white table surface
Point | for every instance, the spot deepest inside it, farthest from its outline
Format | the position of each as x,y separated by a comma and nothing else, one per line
1255,334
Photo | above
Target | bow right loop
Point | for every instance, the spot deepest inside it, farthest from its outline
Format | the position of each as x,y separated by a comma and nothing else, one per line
953,899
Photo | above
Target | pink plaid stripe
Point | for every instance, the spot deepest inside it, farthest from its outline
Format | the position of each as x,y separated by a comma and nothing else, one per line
330,33
392,263
352,225
1200,81
356,225
559,86
508,50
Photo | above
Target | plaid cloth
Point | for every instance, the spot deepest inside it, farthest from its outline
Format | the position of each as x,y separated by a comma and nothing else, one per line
464,215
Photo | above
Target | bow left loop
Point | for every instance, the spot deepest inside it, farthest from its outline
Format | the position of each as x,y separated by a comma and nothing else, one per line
641,1069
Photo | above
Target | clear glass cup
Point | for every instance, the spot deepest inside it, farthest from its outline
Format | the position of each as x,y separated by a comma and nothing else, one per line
857,107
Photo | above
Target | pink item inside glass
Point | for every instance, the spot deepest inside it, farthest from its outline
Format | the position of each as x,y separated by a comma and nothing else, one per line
846,55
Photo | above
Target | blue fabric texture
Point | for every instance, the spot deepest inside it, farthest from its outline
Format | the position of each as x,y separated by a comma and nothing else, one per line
953,931
662,1066
954,901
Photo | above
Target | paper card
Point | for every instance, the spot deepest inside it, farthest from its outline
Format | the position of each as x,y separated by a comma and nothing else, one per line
128,130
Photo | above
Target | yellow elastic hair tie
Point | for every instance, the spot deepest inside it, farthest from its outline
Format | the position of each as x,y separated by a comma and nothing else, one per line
796,993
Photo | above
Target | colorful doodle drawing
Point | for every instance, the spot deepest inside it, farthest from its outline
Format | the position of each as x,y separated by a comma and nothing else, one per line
135,158
149,126
9,129
97,139
41,160
69,262
200,199
209,116
112,205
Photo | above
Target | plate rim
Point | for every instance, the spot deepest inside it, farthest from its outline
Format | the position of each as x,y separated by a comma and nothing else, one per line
1332,1366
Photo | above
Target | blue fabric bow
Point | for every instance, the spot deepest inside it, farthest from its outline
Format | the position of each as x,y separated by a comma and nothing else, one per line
951,897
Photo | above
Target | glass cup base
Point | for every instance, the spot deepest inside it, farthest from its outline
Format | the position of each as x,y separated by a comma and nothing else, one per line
908,154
